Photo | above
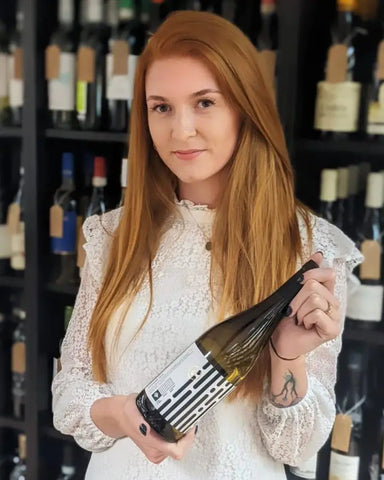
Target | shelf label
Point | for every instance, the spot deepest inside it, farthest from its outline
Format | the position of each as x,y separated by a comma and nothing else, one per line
341,435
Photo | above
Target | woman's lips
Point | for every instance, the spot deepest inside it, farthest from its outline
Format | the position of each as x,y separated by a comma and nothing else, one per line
187,154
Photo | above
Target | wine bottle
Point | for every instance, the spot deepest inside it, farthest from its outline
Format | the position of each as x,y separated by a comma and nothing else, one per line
346,443
86,190
306,469
68,310
338,97
5,233
210,368
19,472
158,12
61,68
342,199
99,182
17,228
63,223
18,362
381,448
16,83
328,194
365,305
5,112
90,88
68,469
123,179
353,172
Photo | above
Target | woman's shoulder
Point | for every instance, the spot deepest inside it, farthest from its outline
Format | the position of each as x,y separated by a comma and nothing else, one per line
328,239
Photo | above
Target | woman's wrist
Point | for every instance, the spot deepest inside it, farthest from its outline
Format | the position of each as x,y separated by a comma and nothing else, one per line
107,414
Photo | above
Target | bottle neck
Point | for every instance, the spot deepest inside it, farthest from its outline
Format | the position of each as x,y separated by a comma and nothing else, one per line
94,12
344,26
66,14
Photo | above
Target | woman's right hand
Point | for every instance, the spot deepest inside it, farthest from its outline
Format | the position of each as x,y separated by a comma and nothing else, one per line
154,447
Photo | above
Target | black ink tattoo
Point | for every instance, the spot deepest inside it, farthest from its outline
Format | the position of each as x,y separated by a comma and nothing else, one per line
288,395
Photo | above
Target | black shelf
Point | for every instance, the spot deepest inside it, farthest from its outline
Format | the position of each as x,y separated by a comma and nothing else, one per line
10,422
87,136
13,282
62,289
326,147
51,432
372,337
11,132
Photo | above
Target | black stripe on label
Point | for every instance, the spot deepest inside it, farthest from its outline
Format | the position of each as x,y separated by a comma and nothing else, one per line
202,379
183,387
191,410
164,405
176,404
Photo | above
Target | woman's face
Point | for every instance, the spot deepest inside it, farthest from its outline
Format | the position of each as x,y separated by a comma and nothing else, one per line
193,128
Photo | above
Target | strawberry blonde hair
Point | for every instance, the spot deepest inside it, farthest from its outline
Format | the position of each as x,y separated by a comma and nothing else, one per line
255,238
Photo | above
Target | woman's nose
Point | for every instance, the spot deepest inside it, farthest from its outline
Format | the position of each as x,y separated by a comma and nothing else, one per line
183,124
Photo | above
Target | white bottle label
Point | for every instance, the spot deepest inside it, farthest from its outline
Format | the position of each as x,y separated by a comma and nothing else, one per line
337,106
16,86
120,87
5,242
187,389
61,91
4,75
343,467
375,124
365,303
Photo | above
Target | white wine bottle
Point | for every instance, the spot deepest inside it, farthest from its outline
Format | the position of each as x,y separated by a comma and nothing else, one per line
215,364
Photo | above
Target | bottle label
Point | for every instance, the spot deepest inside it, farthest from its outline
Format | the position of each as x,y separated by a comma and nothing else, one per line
375,124
61,91
365,303
337,106
343,467
16,85
5,242
187,389
120,87
4,75
81,98
18,249
66,244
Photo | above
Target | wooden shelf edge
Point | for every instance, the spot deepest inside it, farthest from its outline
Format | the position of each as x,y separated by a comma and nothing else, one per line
87,136
62,289
10,422
13,282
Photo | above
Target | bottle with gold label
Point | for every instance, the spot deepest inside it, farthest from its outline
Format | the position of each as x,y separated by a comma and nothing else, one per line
19,472
338,95
18,362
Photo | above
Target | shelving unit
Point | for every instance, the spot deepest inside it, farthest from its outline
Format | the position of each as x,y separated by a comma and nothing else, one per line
103,137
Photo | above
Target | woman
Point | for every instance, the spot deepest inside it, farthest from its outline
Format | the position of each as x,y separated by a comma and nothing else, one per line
210,226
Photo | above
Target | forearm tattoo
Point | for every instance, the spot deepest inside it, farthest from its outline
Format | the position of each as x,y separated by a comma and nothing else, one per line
288,395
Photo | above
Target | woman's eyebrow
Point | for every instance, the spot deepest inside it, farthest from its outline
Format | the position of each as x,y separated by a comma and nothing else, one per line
193,95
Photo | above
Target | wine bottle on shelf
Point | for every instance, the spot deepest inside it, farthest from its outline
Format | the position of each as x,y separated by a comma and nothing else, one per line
210,368
328,194
5,233
346,443
306,469
90,88
68,469
16,83
86,190
17,228
123,179
63,223
99,182
61,69
5,111
365,305
19,471
68,310
267,42
158,12
342,199
18,362
353,173
338,96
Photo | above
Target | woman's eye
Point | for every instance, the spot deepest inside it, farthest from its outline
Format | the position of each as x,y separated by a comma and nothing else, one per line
163,108
205,103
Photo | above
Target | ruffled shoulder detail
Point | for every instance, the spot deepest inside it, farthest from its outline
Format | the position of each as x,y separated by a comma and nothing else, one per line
330,240
98,232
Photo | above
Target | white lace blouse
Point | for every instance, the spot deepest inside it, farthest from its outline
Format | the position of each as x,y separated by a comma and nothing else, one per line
236,440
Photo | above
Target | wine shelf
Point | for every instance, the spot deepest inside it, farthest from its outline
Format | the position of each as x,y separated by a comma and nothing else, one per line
62,289
373,337
11,132
356,147
10,422
87,136
13,282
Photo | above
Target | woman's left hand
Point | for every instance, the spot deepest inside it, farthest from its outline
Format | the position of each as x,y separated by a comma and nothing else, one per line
315,316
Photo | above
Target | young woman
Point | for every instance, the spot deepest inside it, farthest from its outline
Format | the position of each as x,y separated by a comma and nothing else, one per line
210,226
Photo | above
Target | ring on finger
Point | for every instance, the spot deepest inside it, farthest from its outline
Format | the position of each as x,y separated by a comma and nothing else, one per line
329,309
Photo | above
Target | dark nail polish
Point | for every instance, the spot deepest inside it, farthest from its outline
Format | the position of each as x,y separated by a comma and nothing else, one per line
287,311
143,429
196,429
300,278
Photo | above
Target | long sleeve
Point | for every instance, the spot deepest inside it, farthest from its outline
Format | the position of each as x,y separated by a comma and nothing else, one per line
73,389
294,434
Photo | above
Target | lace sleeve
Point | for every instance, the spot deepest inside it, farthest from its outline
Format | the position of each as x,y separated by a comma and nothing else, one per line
73,389
294,434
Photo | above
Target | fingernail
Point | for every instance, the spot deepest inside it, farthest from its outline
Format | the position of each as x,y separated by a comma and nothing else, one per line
196,429
300,278
287,311
143,429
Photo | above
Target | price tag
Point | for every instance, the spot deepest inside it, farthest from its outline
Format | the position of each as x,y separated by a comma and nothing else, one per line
80,249
52,62
371,266
86,65
18,65
337,64
56,220
18,357
341,435
120,53
13,217
380,61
